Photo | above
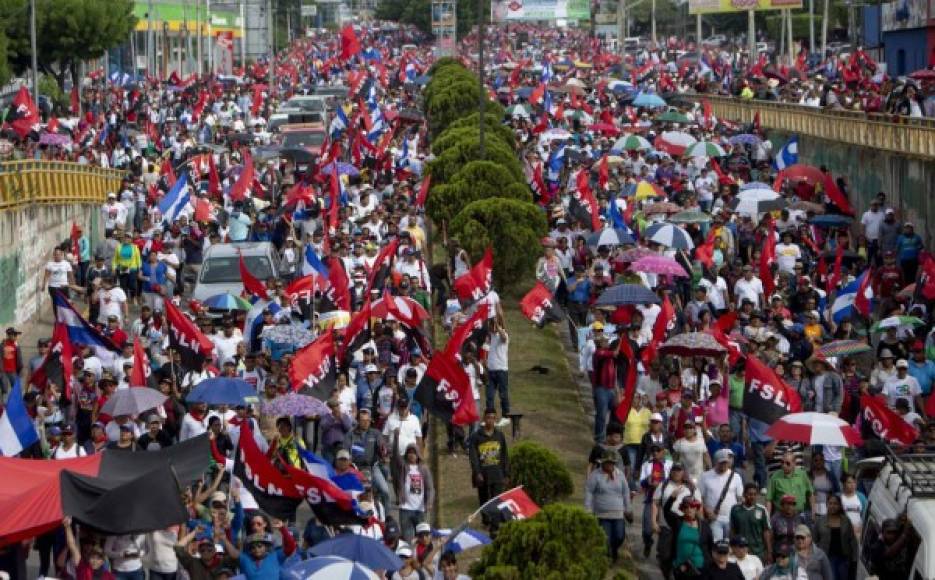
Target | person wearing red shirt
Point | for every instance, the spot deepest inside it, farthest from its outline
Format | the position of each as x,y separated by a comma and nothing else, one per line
888,279
12,360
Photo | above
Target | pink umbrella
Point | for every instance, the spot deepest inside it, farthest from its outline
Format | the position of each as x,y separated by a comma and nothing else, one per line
659,265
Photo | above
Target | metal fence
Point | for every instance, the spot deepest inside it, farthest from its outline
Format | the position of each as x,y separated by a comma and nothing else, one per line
54,182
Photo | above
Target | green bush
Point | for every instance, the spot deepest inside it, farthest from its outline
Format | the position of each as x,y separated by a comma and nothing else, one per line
449,104
562,542
444,167
475,181
492,123
49,87
454,135
511,227
444,62
540,471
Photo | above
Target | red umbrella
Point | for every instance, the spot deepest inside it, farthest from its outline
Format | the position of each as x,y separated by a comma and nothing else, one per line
925,74
801,172
605,128
409,308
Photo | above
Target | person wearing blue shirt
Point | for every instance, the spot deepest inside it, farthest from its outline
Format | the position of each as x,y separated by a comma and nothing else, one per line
84,256
922,369
259,560
579,295
725,440
154,276
908,246
239,226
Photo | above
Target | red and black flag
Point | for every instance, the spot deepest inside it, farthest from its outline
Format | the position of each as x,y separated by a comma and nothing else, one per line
186,338
313,370
473,328
336,296
445,391
356,335
382,266
476,283
142,371
766,396
539,306
57,366
886,423
23,115
274,492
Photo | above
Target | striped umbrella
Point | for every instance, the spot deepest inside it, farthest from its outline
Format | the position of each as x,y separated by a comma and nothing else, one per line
665,207
692,344
670,235
632,143
674,142
646,190
705,149
844,348
328,568
610,237
814,429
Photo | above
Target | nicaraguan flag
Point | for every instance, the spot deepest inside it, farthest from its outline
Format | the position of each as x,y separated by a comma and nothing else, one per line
372,54
80,330
339,124
313,264
176,200
848,300
788,155
16,429
555,163
462,538
547,103
546,72
319,467
377,125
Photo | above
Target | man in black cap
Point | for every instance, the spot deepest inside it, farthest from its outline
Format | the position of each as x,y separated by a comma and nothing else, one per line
721,568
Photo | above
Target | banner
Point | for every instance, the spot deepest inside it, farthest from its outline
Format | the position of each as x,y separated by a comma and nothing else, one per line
224,53
540,307
503,10
767,397
724,6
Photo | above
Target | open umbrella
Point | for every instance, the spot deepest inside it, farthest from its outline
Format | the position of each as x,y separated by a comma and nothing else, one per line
898,322
673,117
745,139
831,220
670,235
659,265
692,344
133,401
755,185
802,172
844,348
674,142
519,110
755,207
556,134
925,74
634,254
690,217
666,207
757,193
704,149
604,129
328,568
632,143
648,100
814,429
295,405
367,551
226,301
343,169
222,391
407,307
627,294
646,190
610,237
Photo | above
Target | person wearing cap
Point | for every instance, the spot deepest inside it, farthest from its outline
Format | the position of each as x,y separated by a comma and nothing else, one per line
721,488
607,496
921,369
782,568
286,447
908,247
404,422
790,481
410,569
423,543
810,558
751,520
692,540
259,559
12,361
720,566
904,386
785,520
68,448
156,437
88,563
750,565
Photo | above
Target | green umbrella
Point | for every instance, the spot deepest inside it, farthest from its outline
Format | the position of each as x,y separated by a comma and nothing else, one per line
632,143
518,110
580,116
674,117
690,217
704,149
897,322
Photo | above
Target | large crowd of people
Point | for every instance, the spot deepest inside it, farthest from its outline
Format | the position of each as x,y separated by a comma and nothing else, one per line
622,178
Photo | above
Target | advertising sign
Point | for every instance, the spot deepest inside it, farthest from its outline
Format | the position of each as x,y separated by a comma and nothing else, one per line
722,6
549,10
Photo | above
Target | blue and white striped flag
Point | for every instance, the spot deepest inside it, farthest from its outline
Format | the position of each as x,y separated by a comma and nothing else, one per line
176,200
17,431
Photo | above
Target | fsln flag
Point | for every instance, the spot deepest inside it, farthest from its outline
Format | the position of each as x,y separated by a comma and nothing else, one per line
540,307
767,397
445,391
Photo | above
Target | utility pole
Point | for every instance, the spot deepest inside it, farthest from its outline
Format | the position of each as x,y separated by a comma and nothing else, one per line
653,24
621,26
270,28
811,26
751,35
150,52
243,38
698,34
35,52
210,39
480,75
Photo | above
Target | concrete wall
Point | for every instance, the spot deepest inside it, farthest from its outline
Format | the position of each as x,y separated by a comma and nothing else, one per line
27,236
909,182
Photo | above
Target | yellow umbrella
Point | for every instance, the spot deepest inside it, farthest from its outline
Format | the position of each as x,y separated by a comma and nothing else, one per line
645,190
614,160
582,64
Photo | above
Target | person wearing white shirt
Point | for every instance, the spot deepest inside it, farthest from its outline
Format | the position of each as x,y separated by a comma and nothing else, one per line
194,423
903,386
787,253
750,565
225,343
125,553
410,429
721,488
749,287
716,292
498,380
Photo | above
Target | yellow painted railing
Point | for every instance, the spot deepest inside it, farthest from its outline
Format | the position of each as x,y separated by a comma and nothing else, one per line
54,182
911,137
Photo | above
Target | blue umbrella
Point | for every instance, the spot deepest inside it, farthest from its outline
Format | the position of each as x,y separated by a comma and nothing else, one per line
369,552
610,237
222,391
648,100
343,169
524,92
831,220
627,294
328,568
669,235
744,139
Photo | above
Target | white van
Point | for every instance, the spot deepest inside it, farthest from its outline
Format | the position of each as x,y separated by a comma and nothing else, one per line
903,484
220,270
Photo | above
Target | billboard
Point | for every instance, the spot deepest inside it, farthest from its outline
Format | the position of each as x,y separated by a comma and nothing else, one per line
507,10
904,14
722,6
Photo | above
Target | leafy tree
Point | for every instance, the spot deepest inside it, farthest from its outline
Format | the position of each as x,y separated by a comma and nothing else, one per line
444,61
451,103
454,135
562,542
453,159
540,471
511,227
4,65
492,123
67,32
475,181
49,88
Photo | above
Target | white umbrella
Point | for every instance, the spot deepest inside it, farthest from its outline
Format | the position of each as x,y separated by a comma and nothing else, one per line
814,429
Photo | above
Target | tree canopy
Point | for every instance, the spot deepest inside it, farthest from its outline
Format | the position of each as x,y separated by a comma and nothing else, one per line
475,181
466,150
562,542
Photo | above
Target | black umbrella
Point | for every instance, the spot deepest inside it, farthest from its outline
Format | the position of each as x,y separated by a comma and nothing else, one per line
298,154
627,294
